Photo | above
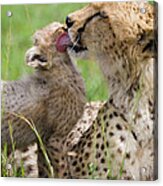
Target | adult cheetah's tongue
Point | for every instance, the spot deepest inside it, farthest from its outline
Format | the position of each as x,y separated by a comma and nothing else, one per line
62,42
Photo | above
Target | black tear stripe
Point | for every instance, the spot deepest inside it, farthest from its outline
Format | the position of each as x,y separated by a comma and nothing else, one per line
81,29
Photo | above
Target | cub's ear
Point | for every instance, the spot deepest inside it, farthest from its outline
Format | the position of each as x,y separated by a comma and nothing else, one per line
36,59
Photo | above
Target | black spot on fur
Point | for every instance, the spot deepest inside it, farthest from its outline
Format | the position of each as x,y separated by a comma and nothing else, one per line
118,126
111,101
128,155
56,160
77,169
98,135
98,155
123,117
98,121
111,134
74,163
65,174
122,138
89,144
102,160
83,165
134,135
114,35
102,147
83,173
111,116
105,117
107,144
62,166
115,114
97,146
119,151
97,168
86,155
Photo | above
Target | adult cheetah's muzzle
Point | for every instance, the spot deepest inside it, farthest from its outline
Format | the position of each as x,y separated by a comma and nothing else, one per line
78,45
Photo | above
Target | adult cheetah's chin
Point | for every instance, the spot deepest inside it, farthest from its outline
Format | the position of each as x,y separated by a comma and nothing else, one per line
76,50
78,54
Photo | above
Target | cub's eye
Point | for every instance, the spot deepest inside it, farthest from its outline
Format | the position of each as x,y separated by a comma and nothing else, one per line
103,14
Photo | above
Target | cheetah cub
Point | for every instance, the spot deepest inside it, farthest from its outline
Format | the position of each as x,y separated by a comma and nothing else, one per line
52,98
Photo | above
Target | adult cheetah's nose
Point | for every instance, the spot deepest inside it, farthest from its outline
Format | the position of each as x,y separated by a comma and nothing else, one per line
69,22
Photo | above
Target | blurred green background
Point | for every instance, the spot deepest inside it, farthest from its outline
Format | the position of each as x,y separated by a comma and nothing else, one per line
17,32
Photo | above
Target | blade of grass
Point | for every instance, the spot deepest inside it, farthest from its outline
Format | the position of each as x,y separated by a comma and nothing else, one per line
28,17
33,127
8,49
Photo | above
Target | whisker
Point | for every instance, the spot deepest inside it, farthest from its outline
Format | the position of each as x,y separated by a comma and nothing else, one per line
76,42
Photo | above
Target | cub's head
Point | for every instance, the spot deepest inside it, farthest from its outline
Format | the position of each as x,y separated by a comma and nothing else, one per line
118,30
48,43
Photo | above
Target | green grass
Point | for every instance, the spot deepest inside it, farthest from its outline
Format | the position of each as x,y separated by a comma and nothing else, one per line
9,167
17,32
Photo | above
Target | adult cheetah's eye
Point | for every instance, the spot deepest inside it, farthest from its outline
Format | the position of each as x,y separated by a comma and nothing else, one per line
141,38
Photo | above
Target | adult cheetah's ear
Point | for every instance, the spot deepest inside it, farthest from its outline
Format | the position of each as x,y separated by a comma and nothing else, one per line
148,42
36,59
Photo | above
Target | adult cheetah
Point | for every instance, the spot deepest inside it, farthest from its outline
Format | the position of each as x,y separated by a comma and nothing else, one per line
122,141
52,98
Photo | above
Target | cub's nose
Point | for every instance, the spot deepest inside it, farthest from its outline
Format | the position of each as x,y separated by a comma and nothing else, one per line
69,22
